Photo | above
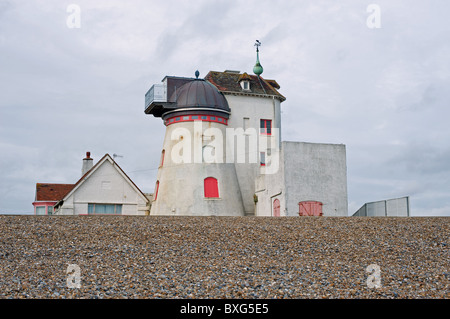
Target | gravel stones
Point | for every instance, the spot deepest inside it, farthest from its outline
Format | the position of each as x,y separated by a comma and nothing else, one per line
224,257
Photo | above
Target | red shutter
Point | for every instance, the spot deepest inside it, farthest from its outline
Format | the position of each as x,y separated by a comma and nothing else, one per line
310,208
211,188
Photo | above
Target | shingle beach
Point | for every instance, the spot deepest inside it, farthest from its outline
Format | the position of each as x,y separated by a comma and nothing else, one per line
224,257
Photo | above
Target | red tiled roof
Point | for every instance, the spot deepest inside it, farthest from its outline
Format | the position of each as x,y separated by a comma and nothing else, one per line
228,82
52,192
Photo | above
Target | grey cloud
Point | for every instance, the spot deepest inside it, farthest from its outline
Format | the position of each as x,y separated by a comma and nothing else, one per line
384,93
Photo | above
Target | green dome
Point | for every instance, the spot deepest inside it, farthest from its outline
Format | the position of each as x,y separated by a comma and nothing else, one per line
258,69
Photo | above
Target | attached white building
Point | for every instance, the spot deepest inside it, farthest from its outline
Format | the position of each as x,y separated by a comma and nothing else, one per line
103,189
311,181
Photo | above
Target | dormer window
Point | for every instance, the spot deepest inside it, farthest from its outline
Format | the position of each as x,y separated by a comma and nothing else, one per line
244,81
245,85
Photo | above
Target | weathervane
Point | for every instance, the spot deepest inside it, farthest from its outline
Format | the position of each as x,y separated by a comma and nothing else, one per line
257,45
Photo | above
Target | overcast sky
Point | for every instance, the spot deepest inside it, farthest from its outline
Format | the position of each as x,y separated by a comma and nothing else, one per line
383,92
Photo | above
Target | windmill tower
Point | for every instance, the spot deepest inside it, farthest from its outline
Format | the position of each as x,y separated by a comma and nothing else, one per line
193,177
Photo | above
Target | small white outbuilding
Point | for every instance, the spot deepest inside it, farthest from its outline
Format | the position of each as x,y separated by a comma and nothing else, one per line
103,189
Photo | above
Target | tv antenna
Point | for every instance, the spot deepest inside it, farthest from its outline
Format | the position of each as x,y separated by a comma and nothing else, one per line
115,155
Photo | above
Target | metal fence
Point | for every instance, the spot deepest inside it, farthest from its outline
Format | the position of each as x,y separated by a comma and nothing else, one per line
391,207
157,93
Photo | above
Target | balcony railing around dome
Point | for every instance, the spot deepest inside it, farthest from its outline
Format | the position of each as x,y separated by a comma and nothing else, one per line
157,93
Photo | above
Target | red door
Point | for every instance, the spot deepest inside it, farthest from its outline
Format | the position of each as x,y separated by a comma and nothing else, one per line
310,208
276,208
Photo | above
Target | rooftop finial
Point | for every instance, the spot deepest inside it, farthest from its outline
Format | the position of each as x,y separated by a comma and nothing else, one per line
197,74
257,69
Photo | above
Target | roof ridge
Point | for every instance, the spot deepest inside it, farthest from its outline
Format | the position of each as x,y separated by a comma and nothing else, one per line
102,160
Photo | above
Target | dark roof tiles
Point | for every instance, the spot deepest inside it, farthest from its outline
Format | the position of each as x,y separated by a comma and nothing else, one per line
228,82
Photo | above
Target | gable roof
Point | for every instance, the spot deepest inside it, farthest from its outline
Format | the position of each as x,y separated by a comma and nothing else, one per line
86,176
228,82
52,192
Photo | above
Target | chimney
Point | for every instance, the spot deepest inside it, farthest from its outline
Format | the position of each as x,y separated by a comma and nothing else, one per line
88,163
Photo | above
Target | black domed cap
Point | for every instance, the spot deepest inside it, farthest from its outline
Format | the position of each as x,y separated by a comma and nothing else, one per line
199,93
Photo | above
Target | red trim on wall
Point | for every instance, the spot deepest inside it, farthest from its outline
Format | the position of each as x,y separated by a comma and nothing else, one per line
262,160
162,158
196,117
43,204
156,190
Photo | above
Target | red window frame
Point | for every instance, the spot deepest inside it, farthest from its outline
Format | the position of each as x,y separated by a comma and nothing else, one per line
156,190
211,187
265,127
163,153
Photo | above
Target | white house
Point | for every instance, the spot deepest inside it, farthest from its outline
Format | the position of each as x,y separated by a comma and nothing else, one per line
223,116
103,189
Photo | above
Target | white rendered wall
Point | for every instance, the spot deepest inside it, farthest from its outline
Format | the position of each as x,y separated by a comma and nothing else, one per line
315,172
105,186
268,188
181,185
254,109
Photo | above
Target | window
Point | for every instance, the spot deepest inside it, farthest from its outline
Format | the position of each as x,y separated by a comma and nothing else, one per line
246,123
262,156
104,209
40,210
156,190
49,210
211,188
245,85
266,127
163,153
